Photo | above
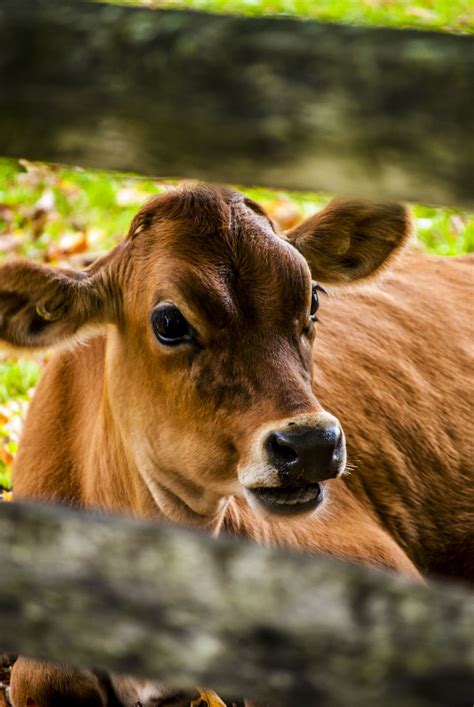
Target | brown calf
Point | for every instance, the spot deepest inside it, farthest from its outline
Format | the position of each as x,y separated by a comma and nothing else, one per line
193,381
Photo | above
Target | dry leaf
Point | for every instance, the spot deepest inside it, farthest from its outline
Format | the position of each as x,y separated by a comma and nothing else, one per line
207,698
6,213
94,237
457,225
423,13
285,213
6,457
128,196
72,242
9,243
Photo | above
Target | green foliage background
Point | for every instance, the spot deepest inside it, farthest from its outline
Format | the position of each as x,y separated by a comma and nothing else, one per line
440,15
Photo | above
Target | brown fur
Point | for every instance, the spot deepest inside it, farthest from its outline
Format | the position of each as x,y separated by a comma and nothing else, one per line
49,685
121,423
37,684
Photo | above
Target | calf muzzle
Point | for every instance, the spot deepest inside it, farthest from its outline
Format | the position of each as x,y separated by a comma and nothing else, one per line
287,476
303,454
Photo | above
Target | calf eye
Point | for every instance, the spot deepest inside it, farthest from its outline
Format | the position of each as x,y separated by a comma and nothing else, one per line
170,327
314,301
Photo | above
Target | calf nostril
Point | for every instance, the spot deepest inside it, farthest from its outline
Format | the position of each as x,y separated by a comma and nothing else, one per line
282,450
304,453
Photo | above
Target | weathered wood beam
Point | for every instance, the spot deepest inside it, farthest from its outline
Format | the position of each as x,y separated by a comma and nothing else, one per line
174,604
286,103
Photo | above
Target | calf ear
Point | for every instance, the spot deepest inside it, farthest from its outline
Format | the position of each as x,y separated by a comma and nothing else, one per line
351,240
42,306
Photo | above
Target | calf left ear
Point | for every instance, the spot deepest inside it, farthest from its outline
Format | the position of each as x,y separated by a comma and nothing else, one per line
351,240
42,306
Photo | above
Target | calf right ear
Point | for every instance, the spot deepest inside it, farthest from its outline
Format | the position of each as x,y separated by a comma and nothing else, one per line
41,306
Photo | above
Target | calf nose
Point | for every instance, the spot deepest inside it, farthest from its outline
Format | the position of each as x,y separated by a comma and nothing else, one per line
306,454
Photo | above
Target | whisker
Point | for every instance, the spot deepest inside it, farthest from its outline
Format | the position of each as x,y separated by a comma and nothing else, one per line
349,468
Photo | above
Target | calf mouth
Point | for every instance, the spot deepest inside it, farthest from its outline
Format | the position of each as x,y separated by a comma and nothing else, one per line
288,500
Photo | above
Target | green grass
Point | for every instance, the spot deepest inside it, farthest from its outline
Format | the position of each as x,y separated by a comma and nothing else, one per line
444,231
5,479
441,15
74,201
17,378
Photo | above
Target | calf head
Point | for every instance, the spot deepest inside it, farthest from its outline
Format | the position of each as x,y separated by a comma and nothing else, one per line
210,319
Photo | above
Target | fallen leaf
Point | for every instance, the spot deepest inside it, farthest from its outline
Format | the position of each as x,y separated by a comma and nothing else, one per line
457,225
94,237
284,212
47,201
71,243
9,243
207,698
5,456
129,196
423,13
6,213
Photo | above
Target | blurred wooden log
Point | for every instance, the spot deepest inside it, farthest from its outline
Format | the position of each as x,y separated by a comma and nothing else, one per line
279,102
173,604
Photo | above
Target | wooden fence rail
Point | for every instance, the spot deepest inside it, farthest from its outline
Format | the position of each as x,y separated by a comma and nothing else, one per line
280,102
175,604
